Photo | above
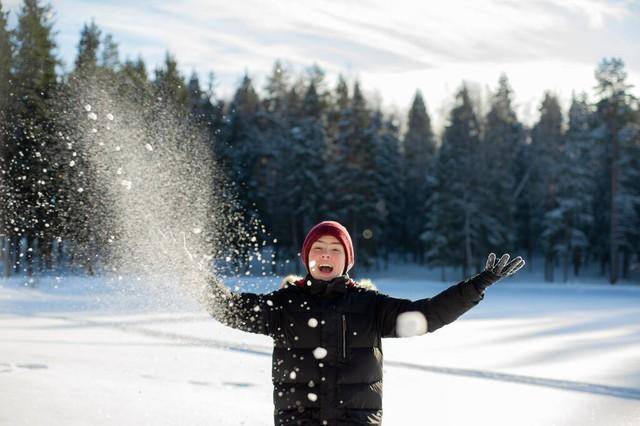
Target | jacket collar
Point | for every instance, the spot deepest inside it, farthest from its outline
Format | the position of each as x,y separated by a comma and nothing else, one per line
338,285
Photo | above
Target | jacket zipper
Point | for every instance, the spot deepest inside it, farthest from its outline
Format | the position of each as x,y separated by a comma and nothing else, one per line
344,337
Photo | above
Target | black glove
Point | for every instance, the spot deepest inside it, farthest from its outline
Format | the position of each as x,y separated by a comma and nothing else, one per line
494,271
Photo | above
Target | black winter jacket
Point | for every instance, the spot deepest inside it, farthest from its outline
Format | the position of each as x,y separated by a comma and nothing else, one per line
327,356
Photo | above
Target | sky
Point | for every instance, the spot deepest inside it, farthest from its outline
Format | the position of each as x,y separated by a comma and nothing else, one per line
392,48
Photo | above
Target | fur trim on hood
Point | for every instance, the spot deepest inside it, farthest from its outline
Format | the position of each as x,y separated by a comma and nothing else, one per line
363,283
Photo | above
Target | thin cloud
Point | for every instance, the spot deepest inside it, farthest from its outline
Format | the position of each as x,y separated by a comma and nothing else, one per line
396,46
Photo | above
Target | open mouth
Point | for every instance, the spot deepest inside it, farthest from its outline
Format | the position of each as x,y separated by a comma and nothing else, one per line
325,268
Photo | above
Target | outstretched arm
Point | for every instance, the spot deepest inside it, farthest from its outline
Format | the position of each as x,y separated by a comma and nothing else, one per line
405,318
244,311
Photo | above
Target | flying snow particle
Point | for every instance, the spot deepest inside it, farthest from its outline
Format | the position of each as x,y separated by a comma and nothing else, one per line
196,230
313,323
319,352
256,308
92,116
253,239
126,183
94,130
119,171
292,375
312,264
72,163
118,148
87,107
412,323
80,189
269,302
110,117
149,147
312,397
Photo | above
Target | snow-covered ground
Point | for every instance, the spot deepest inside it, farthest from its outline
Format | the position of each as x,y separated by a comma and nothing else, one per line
79,351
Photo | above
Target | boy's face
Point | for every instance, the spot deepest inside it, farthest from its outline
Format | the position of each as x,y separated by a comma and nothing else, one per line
326,258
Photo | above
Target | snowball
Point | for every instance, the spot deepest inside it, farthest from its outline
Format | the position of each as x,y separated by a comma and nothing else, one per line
313,323
412,323
292,375
110,117
149,147
319,352
87,107
308,282
312,397
92,116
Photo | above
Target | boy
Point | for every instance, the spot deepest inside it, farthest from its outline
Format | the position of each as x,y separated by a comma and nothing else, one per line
327,330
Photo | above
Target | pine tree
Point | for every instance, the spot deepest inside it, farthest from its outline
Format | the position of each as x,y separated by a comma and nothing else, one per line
568,224
109,56
6,94
170,86
86,62
339,131
31,171
503,139
389,182
454,227
614,113
419,153
546,150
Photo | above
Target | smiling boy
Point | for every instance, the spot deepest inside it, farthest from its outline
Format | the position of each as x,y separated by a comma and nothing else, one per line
327,330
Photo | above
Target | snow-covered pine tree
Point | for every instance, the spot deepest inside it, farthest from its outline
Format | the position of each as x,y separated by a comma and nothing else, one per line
6,195
628,196
31,171
362,218
456,200
339,129
568,224
241,151
614,112
542,191
390,188
503,139
419,153
304,172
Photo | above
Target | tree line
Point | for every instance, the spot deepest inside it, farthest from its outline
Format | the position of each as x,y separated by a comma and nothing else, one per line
298,151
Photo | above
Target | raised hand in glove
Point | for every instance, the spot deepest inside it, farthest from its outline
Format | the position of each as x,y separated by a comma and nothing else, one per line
500,268
494,271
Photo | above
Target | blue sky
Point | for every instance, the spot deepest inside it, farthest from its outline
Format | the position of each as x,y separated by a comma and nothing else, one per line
393,48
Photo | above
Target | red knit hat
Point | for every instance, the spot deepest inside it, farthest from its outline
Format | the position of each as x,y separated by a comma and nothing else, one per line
336,230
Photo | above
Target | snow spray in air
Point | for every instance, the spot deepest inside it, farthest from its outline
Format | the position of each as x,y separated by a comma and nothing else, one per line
153,193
